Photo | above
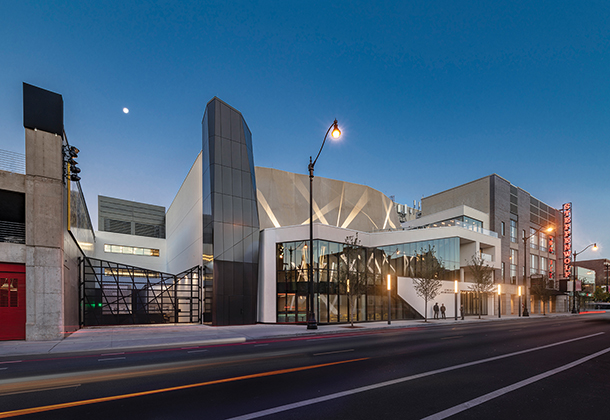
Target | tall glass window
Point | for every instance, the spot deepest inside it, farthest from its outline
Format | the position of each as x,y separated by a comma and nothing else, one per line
351,280
533,239
513,231
543,266
543,242
514,260
533,264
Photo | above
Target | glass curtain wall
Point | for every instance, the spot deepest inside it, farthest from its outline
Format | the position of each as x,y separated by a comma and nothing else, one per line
352,280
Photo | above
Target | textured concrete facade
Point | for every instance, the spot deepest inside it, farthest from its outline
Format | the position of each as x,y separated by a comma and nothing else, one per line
44,236
475,194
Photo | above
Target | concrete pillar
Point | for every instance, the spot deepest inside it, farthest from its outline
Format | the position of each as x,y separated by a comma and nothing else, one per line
44,235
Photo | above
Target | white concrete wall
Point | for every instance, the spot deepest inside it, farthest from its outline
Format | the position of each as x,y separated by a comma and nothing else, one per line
152,263
184,223
406,291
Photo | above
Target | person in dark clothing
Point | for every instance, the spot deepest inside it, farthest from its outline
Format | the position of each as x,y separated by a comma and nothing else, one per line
435,308
462,311
443,309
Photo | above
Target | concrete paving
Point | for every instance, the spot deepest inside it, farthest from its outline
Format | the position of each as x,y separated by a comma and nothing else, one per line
115,338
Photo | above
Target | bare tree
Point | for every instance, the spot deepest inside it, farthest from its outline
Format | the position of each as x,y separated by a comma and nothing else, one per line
351,276
539,290
482,279
429,270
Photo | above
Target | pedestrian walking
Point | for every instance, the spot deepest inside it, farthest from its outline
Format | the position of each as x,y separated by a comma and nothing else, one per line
435,310
462,311
443,309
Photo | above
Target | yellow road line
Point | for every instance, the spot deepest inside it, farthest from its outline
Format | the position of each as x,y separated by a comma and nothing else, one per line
15,413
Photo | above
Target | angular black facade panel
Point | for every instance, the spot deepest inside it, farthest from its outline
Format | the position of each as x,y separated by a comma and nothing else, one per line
231,226
43,110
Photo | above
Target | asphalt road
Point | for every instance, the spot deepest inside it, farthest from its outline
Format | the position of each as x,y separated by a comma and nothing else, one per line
532,368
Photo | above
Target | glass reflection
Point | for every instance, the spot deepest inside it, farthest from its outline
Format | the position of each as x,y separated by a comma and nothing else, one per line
334,266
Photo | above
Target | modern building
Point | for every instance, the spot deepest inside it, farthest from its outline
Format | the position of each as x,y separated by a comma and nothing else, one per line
236,238
601,267
521,220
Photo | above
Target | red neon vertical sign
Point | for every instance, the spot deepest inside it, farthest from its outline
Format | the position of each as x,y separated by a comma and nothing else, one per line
567,239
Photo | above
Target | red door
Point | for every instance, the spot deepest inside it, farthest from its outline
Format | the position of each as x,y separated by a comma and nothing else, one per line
12,302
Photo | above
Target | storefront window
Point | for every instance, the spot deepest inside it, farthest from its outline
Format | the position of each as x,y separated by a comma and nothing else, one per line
336,267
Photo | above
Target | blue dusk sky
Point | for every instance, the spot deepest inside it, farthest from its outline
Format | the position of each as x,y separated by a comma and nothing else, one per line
429,94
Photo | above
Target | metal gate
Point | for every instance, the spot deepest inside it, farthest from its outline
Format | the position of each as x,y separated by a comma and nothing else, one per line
116,294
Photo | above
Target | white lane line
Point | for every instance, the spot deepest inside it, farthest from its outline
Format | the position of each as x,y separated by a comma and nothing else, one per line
196,351
453,337
11,361
498,393
329,397
111,358
3,368
260,345
333,352
112,354
40,390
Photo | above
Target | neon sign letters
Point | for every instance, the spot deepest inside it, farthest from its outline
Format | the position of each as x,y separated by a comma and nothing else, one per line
567,239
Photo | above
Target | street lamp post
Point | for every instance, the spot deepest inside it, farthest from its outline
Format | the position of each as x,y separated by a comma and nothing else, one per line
499,301
519,288
389,300
455,292
525,238
311,314
575,254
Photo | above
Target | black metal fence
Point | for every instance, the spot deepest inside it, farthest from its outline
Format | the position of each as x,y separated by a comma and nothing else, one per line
117,294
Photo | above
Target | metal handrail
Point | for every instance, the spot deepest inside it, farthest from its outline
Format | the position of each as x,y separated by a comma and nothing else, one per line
12,162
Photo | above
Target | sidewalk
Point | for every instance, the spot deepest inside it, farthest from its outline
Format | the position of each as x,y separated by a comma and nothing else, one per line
115,338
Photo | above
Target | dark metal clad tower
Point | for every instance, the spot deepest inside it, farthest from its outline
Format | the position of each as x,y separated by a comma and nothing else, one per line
230,215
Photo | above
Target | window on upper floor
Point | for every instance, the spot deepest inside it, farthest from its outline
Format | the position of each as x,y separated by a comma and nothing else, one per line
131,250
513,230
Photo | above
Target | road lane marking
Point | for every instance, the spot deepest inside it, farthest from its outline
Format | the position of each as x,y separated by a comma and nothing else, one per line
499,392
333,352
110,358
197,351
452,337
11,361
341,394
260,345
40,390
112,354
42,409
518,329
3,368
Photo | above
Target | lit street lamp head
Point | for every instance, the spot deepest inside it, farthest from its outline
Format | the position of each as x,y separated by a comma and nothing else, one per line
336,133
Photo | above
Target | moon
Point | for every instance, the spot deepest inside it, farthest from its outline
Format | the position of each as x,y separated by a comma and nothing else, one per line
126,110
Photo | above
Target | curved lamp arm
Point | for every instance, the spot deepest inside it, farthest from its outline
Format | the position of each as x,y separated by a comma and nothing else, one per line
594,245
336,134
